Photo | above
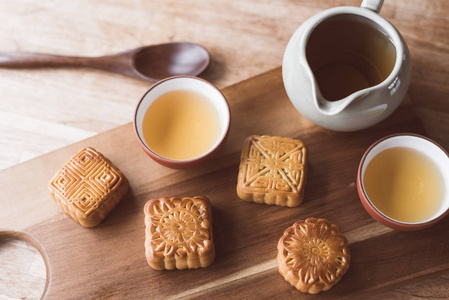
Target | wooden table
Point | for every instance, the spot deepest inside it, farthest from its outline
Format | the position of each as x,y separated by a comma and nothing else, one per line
43,110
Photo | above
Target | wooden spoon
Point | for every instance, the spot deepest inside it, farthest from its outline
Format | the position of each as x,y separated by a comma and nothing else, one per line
150,63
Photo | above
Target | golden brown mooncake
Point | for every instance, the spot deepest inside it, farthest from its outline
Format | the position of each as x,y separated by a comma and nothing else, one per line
179,233
313,255
88,187
272,170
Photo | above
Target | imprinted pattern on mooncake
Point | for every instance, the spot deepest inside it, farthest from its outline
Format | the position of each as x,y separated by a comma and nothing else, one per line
179,233
313,255
88,187
272,171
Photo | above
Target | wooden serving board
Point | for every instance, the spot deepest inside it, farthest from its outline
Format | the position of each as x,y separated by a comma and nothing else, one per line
109,260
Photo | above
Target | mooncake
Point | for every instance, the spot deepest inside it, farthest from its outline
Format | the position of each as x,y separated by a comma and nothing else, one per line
88,187
272,170
178,233
313,255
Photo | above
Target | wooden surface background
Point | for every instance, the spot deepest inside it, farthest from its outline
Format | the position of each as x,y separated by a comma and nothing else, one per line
108,261
43,110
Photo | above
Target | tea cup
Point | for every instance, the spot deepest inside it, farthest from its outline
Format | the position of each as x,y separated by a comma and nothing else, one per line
182,84
433,155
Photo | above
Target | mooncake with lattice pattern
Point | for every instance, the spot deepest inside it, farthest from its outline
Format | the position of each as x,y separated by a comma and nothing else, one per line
313,255
272,170
179,233
88,187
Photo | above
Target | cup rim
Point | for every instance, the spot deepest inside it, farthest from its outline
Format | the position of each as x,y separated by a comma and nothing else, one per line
6,233
170,161
366,200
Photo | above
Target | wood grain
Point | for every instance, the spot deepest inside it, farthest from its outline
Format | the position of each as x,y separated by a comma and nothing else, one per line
109,260
43,110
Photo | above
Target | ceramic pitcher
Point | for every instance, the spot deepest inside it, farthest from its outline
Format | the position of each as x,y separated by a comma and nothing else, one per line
362,108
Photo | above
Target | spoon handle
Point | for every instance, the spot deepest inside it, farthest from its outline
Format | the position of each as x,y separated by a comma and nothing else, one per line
37,60
119,63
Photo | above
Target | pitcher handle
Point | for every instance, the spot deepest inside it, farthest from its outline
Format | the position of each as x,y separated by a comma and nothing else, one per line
374,5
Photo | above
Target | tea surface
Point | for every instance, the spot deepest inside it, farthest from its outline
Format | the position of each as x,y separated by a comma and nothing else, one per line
348,53
404,184
181,125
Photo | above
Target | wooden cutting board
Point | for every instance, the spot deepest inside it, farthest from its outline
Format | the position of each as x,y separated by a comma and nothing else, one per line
109,260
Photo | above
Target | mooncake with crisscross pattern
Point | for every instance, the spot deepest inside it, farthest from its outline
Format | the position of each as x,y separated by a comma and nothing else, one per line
88,187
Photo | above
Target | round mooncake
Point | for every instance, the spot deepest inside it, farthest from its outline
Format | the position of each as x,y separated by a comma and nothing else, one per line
313,255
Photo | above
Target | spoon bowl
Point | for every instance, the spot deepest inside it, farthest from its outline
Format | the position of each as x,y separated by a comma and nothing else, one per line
151,63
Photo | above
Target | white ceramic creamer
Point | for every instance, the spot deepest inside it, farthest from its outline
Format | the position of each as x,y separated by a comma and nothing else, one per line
362,108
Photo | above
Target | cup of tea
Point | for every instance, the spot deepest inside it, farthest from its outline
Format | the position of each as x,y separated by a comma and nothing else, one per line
403,181
347,68
182,121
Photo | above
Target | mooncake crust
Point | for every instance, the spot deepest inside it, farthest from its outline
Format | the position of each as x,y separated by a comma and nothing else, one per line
178,233
312,255
88,187
272,170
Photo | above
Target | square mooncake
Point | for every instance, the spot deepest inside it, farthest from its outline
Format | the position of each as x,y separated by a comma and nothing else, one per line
178,233
272,171
88,187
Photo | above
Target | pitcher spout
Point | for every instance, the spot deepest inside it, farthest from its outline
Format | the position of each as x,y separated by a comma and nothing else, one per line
332,108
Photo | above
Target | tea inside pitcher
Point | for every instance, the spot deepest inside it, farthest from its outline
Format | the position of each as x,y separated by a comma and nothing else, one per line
348,53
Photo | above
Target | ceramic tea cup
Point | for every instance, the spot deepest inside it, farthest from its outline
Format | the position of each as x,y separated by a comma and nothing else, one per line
403,181
347,68
182,121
